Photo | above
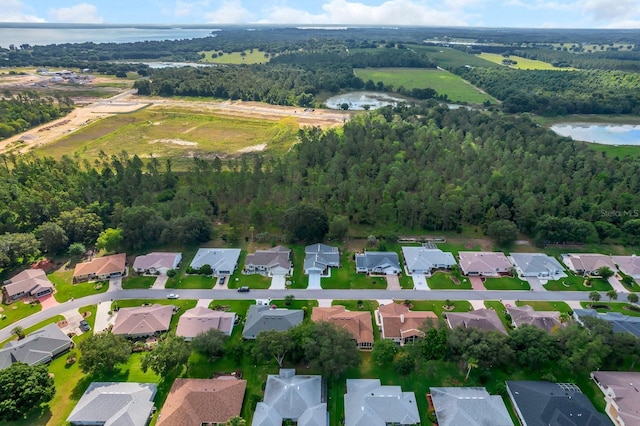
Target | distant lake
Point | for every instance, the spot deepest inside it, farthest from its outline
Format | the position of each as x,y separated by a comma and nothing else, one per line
606,134
357,100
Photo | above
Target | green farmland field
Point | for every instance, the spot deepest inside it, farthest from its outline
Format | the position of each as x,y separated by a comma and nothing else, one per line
447,57
522,63
250,57
443,82
173,133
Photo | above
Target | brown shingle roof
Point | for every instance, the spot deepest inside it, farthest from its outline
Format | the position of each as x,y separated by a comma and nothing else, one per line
526,315
102,265
483,319
399,322
201,319
357,323
192,402
143,320
29,280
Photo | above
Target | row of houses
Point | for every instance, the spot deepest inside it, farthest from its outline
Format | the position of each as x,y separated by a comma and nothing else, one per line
302,399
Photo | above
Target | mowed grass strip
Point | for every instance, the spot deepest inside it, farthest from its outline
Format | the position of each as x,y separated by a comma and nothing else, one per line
522,63
253,56
173,133
443,82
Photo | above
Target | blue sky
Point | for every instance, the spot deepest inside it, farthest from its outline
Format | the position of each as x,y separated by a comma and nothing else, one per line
484,13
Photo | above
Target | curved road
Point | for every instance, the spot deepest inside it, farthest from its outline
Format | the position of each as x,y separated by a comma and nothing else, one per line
580,296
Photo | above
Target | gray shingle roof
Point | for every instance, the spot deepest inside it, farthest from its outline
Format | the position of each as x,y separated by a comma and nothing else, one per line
378,260
469,406
424,259
36,348
277,256
542,403
220,259
536,264
619,322
526,315
262,317
115,404
157,260
483,319
321,256
369,403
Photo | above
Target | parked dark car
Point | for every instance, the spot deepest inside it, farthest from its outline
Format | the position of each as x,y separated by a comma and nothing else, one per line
243,289
84,326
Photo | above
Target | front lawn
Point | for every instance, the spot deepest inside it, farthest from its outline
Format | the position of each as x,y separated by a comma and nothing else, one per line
183,304
35,327
506,283
299,279
305,305
445,281
437,306
347,278
576,283
141,281
196,282
546,306
65,290
240,307
603,306
16,311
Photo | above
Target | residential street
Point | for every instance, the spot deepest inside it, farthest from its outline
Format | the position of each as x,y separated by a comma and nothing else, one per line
566,296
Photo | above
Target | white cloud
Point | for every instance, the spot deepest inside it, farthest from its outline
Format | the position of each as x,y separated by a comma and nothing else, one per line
229,12
80,13
14,11
619,12
187,8
390,12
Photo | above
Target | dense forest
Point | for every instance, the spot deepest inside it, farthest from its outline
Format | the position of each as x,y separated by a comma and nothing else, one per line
28,109
420,168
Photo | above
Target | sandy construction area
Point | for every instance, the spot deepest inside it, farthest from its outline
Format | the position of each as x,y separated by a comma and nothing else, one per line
128,102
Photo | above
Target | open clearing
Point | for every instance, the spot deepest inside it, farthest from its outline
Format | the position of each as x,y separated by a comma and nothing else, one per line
522,63
250,57
443,82
447,57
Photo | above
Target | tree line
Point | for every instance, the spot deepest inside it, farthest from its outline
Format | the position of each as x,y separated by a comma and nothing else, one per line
28,109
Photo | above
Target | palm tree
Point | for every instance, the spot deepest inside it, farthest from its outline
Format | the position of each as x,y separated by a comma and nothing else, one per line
564,317
471,364
236,421
594,296
19,332
613,295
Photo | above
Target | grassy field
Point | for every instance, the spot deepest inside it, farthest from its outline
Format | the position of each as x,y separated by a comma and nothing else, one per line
346,276
545,306
197,282
444,281
252,56
443,82
575,283
173,133
437,306
604,306
16,311
138,282
447,57
65,290
522,63
506,283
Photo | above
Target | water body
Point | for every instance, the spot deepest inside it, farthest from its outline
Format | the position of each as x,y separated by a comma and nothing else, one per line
606,134
160,65
97,34
357,100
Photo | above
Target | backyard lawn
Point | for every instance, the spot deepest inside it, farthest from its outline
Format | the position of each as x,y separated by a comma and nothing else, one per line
346,276
506,283
576,283
65,290
140,281
445,281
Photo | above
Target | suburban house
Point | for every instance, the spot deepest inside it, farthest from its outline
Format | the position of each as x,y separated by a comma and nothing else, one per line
628,265
28,283
101,268
620,323
539,403
482,319
157,263
620,389
587,263
274,261
39,347
424,260
526,315
300,398
396,322
202,401
369,403
115,403
200,319
223,261
358,324
484,263
468,406
320,258
143,321
537,265
378,263
265,317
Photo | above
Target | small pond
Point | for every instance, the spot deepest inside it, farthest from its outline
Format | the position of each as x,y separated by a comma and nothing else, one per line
357,100
606,134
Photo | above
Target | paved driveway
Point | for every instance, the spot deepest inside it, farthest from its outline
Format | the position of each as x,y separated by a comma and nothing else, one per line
314,282
160,281
73,318
617,285
393,282
535,283
48,302
420,282
103,319
278,282
115,284
476,283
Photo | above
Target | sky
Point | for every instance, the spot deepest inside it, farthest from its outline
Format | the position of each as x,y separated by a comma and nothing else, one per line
474,13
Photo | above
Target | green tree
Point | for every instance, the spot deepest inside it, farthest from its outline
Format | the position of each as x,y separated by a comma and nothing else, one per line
434,345
236,421
471,363
331,349
627,280
404,364
305,222
110,240
17,249
52,238
206,269
288,299
102,352
209,343
80,225
533,346
18,331
605,272
503,232
141,226
24,387
384,351
338,227
76,249
632,297
193,228
172,352
612,295
272,343
594,296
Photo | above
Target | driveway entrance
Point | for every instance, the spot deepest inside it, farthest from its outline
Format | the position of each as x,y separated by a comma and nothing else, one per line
278,282
314,282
